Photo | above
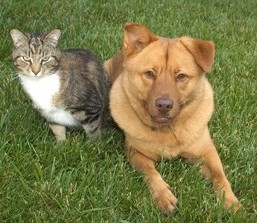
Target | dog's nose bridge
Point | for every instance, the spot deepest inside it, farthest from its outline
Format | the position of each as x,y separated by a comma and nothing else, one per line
165,85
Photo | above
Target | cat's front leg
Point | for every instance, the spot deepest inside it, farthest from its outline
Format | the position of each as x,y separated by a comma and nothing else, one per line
59,131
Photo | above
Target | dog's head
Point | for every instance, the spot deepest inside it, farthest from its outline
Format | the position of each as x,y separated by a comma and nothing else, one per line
163,75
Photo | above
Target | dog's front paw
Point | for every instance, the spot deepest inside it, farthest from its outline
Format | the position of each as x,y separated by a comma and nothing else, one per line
232,203
230,200
164,199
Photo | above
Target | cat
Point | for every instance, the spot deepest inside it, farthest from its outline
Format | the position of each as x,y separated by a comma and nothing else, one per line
70,88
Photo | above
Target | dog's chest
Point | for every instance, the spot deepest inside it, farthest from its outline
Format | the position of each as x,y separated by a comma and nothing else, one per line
41,90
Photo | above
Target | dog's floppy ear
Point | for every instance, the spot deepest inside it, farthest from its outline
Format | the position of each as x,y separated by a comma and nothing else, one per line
202,51
136,38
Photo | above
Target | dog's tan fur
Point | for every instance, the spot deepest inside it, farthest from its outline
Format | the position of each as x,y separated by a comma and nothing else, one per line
149,68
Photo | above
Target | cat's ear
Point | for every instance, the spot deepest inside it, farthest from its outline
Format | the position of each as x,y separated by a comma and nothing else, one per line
53,37
18,37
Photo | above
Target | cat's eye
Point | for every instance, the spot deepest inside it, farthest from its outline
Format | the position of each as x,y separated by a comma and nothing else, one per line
27,59
181,77
45,59
149,74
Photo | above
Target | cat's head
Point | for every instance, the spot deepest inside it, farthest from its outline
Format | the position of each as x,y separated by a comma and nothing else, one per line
35,54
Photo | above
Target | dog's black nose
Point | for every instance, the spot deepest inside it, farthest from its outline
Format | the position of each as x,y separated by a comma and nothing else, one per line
163,104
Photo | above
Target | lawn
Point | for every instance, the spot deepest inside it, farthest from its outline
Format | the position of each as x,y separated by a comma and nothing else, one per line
83,181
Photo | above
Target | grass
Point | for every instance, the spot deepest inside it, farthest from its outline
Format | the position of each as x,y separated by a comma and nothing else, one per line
82,181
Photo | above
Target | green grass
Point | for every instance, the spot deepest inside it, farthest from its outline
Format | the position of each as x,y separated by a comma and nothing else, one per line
82,181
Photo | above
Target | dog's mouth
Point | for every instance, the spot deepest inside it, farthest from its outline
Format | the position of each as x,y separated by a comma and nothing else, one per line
161,119
164,119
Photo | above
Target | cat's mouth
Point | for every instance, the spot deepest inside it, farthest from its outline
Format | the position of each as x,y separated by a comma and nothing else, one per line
35,74
30,74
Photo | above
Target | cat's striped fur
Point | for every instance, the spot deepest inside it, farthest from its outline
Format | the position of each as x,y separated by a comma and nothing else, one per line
68,87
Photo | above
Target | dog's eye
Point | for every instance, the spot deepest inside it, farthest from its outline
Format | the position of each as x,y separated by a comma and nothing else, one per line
149,74
181,77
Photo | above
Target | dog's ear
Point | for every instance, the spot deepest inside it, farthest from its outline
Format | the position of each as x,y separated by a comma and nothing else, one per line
136,38
202,51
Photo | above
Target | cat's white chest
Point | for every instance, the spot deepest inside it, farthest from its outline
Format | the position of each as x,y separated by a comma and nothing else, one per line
41,90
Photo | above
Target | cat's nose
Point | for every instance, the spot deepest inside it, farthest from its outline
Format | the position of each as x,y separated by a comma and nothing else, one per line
36,72
35,69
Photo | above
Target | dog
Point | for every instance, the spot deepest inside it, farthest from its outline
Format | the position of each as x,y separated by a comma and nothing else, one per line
162,100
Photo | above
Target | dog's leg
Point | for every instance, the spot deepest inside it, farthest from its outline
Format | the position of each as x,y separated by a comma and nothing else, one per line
159,189
212,169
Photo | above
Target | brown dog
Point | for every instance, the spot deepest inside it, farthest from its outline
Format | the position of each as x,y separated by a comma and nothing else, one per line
163,102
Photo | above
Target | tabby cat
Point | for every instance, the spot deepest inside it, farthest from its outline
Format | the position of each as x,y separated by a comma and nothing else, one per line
69,87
